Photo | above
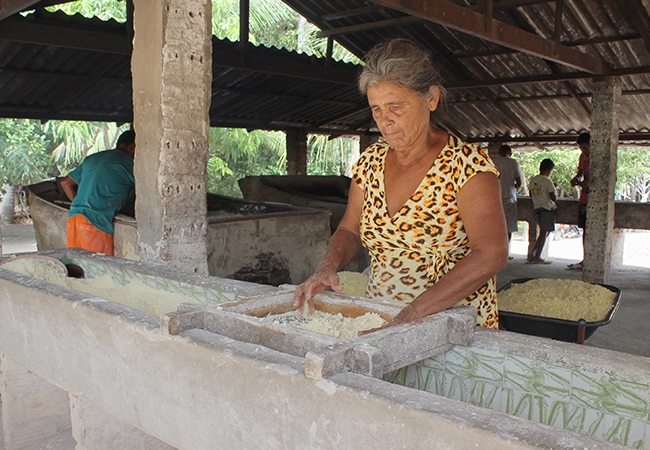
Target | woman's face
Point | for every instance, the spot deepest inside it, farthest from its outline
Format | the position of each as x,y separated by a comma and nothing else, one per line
402,115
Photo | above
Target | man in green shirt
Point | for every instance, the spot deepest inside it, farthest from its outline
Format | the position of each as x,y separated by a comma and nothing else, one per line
98,188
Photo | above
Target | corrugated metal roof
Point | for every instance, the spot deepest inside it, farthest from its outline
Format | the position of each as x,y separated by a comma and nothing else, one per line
493,92
606,29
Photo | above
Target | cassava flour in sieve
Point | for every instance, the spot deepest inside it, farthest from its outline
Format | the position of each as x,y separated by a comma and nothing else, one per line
336,325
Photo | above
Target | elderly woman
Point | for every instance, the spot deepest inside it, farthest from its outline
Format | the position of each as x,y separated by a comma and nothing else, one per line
425,204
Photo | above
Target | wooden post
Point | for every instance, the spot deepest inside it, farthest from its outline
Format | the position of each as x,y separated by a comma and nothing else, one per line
296,153
366,140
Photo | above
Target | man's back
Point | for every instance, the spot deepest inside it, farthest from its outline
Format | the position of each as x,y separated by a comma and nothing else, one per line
508,171
105,180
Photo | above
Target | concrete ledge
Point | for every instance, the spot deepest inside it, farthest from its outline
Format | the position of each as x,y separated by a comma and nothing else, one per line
565,354
236,395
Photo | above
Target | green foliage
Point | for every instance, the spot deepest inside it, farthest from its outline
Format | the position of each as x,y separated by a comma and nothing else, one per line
273,24
103,9
330,156
236,153
633,174
74,140
23,148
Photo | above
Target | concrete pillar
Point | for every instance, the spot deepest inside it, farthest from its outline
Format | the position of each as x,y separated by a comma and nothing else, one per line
618,246
93,429
493,148
296,153
33,409
172,71
602,180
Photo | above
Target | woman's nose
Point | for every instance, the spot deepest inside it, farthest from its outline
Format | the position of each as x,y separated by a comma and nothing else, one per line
384,119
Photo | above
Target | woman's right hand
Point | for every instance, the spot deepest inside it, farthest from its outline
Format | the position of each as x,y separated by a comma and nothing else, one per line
325,276
343,246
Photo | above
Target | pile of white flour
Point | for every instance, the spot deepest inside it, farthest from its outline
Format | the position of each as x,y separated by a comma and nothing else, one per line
135,294
335,325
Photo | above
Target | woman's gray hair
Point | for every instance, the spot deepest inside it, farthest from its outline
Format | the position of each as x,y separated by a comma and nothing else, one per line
402,62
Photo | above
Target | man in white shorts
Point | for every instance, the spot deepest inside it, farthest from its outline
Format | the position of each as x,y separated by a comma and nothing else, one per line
510,178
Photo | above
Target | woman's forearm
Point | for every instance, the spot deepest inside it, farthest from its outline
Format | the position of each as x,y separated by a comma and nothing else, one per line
462,280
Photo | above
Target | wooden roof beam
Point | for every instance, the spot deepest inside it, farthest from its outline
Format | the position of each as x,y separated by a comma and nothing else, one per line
507,4
344,74
102,41
467,21
537,98
34,33
351,13
577,97
548,138
369,26
575,43
549,78
639,16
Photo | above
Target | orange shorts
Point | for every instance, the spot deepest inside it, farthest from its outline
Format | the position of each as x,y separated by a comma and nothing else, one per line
83,234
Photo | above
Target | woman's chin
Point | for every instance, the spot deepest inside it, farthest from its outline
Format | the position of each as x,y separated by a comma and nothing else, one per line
395,144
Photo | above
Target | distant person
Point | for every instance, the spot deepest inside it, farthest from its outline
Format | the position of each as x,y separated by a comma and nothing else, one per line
510,179
543,195
582,180
98,189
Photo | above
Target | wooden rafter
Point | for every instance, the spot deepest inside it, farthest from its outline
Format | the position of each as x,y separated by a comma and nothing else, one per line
369,26
467,21
58,36
575,43
506,4
639,15
548,78
345,74
577,97
115,42
548,138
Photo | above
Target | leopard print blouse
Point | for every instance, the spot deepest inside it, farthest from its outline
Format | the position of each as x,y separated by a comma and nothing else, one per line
425,239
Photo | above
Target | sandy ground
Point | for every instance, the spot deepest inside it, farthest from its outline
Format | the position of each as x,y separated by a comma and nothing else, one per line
636,251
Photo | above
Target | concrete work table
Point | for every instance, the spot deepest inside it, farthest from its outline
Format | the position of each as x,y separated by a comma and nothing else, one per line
201,390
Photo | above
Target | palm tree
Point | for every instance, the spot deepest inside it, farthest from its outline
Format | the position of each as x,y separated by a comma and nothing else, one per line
74,140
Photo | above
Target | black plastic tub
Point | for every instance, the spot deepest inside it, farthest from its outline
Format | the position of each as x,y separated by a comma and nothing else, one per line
559,329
